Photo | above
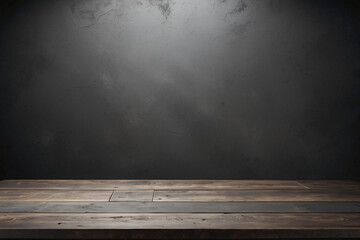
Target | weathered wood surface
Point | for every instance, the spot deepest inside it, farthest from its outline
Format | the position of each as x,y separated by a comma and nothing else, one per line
324,224
179,220
181,195
126,196
149,184
257,195
53,195
330,184
179,207
166,234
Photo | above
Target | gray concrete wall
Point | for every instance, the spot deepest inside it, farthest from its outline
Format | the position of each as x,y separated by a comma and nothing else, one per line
180,89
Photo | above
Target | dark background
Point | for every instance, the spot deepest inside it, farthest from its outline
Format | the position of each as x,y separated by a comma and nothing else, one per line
180,89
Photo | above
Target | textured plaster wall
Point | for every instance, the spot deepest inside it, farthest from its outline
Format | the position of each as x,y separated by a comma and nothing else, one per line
180,89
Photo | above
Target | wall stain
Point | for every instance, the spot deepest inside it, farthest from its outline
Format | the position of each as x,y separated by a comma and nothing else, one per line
239,8
164,6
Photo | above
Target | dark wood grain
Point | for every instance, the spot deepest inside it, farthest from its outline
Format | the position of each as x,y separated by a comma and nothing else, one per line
54,195
178,207
149,184
174,225
257,195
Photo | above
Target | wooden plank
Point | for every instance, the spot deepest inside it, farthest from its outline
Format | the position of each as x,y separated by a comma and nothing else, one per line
166,234
53,195
226,184
330,184
139,196
256,195
178,207
149,184
328,206
76,184
179,226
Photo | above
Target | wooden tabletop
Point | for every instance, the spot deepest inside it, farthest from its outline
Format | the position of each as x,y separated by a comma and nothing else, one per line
179,209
